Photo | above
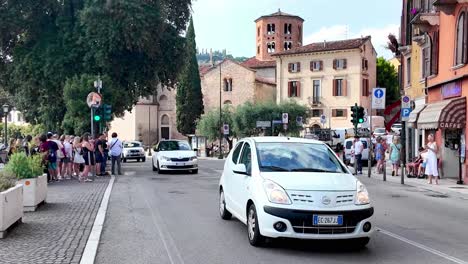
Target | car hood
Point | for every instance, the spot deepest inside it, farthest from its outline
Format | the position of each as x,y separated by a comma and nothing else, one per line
312,181
135,148
177,153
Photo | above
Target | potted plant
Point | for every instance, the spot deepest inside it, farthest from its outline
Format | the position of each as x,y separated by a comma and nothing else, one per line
11,202
29,172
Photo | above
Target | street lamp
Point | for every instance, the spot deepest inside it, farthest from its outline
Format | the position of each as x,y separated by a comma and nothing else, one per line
6,109
220,156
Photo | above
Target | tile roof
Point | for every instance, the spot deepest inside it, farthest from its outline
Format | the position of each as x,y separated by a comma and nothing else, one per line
204,69
326,46
265,80
277,14
253,63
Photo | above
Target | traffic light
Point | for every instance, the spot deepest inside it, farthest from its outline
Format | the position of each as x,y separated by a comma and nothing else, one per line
107,112
354,115
97,116
360,115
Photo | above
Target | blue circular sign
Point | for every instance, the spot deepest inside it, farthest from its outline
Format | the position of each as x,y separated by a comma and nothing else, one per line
378,93
406,99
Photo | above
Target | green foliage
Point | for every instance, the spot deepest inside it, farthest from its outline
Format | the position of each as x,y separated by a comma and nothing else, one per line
387,77
189,98
7,181
209,125
24,167
47,45
21,131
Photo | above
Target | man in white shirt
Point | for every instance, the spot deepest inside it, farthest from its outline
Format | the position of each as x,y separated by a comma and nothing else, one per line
358,148
115,150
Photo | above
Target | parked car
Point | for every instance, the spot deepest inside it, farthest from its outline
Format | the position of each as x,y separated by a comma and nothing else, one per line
349,147
293,188
380,132
174,155
396,128
133,150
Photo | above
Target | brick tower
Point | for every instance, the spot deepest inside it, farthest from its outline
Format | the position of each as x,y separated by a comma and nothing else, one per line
277,32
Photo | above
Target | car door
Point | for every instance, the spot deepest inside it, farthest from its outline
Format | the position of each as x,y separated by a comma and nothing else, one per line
241,182
229,175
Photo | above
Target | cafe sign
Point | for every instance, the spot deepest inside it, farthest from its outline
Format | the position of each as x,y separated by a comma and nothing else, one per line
449,125
450,90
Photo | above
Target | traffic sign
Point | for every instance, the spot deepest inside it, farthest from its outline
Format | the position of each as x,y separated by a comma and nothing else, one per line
263,124
405,113
277,122
378,98
299,120
405,102
323,119
285,118
94,100
226,129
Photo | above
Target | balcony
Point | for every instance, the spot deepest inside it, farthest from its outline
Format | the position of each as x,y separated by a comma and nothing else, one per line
315,101
425,19
447,6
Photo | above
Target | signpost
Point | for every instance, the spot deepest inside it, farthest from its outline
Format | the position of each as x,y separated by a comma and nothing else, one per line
263,124
323,119
405,113
285,118
94,101
226,129
378,98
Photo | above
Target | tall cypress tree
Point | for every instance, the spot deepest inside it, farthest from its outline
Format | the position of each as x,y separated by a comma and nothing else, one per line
189,99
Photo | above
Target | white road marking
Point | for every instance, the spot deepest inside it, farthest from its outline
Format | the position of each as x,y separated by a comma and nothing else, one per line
89,254
425,248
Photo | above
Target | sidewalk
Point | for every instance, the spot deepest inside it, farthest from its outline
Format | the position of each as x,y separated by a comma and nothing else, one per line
58,231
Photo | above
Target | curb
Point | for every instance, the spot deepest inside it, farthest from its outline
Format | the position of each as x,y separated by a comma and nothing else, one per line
90,251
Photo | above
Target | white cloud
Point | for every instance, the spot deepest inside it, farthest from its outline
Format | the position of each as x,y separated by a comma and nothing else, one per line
337,32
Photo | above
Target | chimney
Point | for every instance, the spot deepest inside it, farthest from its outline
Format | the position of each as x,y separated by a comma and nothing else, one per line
211,57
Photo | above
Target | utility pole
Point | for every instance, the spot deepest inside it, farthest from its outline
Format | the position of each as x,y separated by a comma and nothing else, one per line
220,156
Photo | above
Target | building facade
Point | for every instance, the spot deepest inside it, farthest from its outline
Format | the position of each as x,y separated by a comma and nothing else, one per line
329,77
151,119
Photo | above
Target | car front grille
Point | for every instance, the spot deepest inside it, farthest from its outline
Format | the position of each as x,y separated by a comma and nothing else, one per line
302,221
180,160
134,151
180,167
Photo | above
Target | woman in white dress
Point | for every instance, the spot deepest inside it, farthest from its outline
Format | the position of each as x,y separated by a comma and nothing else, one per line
77,157
431,164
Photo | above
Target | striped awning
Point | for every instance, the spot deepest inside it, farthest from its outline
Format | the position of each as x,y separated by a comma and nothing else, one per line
414,116
444,114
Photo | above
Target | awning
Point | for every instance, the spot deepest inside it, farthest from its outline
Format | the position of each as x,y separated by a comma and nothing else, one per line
444,114
414,116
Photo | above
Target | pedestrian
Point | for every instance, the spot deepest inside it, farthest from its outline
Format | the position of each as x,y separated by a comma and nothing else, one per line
78,159
49,149
412,168
395,154
431,164
67,160
12,147
115,148
60,153
34,146
101,154
88,155
26,145
379,154
358,148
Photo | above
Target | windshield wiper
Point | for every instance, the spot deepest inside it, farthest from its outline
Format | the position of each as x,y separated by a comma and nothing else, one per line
274,168
313,170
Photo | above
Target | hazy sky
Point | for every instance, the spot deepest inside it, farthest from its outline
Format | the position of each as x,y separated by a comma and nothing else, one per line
229,24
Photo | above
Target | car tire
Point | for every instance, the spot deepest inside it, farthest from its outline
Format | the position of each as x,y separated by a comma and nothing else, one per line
159,170
138,160
143,160
124,160
223,212
194,171
253,231
154,167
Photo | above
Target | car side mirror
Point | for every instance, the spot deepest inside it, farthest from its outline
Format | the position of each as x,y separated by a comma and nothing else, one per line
240,169
195,149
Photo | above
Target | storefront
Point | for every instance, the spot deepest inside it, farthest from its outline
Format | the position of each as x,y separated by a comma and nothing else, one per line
446,119
416,133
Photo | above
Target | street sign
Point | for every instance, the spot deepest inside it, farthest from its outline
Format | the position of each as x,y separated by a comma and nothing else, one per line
94,100
226,129
275,122
323,119
299,120
405,113
285,118
263,124
378,98
405,102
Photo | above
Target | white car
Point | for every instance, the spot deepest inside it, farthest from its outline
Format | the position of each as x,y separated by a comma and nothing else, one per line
380,132
133,150
348,150
293,188
396,128
174,155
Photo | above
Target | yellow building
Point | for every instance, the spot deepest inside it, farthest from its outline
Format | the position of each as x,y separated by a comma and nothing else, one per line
329,77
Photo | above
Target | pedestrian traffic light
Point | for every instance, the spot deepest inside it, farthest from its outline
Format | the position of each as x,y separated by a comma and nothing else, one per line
360,114
97,115
354,114
107,112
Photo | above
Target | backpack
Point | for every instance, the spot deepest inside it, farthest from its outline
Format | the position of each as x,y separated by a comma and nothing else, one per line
52,153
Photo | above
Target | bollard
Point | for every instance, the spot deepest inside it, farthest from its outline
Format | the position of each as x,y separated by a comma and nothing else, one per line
385,170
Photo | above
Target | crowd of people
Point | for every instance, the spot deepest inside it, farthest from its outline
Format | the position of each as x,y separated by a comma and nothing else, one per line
72,157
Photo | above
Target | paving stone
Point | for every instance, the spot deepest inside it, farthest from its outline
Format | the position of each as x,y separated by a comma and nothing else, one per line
58,231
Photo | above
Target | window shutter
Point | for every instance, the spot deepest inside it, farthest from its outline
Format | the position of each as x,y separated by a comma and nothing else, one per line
298,89
311,66
367,87
334,64
298,66
363,90
289,88
321,65
334,113
345,87
435,54
334,87
345,112
367,64
290,67
363,63
345,62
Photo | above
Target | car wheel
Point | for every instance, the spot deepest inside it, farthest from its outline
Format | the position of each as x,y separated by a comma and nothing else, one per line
194,171
138,160
124,160
253,230
154,167
223,212
159,170
143,160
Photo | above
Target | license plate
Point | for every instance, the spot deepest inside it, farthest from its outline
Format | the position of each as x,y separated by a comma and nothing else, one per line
328,220
180,164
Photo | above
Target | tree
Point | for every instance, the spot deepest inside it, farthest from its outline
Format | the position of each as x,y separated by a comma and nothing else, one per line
189,98
44,44
208,125
387,77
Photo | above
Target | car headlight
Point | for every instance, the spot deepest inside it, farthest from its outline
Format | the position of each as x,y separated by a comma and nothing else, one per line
165,158
193,158
362,196
275,193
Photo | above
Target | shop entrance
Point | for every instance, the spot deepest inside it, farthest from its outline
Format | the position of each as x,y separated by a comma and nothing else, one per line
450,153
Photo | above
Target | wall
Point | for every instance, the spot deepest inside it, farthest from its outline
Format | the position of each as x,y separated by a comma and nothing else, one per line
268,73
265,92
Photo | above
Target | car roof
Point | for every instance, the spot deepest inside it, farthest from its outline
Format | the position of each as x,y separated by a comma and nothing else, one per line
283,139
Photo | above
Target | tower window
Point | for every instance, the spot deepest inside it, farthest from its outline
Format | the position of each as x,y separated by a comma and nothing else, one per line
258,49
287,45
258,32
287,28
271,47
270,29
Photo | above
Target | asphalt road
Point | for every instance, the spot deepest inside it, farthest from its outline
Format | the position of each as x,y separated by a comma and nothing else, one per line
173,218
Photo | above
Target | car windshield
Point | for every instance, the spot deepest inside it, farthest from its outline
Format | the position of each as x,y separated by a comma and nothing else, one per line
173,146
132,144
380,130
289,156
397,125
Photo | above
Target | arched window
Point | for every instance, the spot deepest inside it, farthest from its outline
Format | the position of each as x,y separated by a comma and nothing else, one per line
227,102
163,98
462,39
165,120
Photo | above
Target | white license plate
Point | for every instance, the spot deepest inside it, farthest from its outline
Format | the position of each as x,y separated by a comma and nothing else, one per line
328,220
180,164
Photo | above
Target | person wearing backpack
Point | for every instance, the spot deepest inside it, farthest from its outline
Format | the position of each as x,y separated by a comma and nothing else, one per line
49,150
